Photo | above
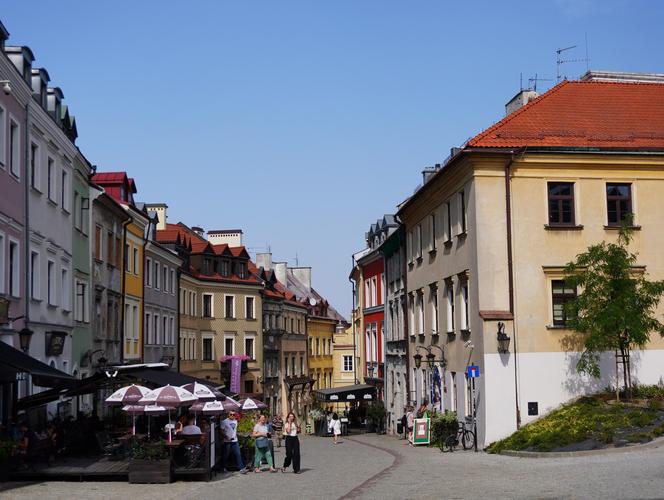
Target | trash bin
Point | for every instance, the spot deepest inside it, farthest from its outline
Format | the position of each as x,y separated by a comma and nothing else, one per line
399,428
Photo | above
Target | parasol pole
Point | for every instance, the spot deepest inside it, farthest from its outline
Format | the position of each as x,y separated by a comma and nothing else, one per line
133,424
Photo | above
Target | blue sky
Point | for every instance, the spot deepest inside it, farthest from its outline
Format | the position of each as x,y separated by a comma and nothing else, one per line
303,122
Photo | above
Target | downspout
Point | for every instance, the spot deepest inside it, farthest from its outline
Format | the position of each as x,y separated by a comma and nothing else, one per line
510,271
352,314
405,316
177,321
27,181
124,286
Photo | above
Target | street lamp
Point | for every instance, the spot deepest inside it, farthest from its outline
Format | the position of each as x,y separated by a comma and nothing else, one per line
24,336
502,338
430,356
418,360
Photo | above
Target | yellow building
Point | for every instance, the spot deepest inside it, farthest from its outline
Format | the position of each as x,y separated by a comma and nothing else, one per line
343,354
321,341
488,236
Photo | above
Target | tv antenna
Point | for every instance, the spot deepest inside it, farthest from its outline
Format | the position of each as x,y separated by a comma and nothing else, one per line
532,81
560,61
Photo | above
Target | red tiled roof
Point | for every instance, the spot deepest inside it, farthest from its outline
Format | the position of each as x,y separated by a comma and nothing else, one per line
109,177
584,114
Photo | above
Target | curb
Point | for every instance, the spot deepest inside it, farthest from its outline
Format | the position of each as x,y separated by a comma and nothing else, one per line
655,443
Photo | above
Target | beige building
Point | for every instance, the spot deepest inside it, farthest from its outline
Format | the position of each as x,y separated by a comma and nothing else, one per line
220,307
488,235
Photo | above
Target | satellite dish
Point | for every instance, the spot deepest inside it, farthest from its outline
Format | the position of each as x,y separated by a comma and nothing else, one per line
312,301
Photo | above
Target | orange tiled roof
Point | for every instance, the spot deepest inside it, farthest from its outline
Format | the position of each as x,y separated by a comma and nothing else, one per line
584,114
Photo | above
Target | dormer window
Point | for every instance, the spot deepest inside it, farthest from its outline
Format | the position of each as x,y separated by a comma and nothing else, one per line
206,266
225,268
242,270
123,193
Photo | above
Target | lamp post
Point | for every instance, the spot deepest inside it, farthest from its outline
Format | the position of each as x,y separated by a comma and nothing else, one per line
430,359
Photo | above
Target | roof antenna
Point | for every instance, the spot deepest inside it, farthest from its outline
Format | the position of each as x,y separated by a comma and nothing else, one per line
587,58
532,81
560,61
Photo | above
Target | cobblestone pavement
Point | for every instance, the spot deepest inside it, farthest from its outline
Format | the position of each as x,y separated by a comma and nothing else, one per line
370,466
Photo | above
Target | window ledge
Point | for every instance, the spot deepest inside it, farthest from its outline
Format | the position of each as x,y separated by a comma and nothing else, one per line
432,251
554,227
617,228
462,235
52,202
448,243
52,306
465,332
557,327
419,259
434,332
35,300
36,190
411,264
65,211
451,334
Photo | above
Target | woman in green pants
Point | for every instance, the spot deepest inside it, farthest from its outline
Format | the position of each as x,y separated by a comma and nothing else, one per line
262,437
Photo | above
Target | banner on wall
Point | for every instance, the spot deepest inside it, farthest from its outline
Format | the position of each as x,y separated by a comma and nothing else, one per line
236,371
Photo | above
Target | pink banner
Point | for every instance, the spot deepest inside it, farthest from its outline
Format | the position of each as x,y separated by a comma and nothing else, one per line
236,369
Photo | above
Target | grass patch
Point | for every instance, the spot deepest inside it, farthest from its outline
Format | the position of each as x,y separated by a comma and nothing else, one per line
589,418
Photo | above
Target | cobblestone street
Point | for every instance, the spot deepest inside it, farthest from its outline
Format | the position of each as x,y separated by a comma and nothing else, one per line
369,466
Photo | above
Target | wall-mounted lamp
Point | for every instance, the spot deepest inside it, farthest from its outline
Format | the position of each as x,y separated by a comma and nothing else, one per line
502,338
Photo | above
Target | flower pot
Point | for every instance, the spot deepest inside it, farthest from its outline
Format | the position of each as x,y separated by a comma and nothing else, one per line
150,471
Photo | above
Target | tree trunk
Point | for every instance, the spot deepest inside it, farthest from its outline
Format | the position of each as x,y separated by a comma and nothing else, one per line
617,380
625,370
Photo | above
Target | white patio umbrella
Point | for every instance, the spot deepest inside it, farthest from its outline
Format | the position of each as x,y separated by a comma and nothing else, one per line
251,404
151,410
203,392
127,395
134,410
171,397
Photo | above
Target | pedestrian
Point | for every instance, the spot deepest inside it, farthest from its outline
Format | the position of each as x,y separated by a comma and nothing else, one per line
410,420
335,427
262,437
278,427
292,429
231,445
404,422
423,410
191,429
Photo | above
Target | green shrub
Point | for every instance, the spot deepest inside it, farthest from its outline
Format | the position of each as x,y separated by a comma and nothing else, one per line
442,426
648,392
245,427
149,451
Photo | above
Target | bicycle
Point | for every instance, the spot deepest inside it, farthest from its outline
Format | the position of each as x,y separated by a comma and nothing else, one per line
464,435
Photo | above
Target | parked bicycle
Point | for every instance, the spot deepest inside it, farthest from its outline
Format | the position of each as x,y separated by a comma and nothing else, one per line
464,435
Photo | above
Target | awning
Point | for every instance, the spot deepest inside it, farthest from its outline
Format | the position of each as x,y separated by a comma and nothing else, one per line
163,377
359,392
13,361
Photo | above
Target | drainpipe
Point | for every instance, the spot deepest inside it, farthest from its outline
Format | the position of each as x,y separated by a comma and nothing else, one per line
352,318
510,270
404,318
26,227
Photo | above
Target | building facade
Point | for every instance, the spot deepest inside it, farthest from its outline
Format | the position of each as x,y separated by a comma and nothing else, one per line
489,233
161,292
219,305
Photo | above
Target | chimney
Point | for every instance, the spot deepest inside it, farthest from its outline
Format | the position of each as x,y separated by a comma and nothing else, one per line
428,172
230,237
280,272
199,231
622,77
522,98
54,98
264,260
303,275
160,209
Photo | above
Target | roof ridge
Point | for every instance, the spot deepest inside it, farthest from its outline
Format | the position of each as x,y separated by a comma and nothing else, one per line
518,112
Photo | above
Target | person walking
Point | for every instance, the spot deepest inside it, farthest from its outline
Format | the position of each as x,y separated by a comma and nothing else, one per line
231,445
292,429
262,437
278,427
410,421
335,428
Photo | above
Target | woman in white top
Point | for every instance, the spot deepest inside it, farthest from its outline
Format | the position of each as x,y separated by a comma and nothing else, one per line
335,428
291,430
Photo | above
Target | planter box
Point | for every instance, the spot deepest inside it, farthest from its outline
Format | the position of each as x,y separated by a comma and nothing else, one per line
150,471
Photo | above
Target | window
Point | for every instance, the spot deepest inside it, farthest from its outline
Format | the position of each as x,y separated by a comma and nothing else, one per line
450,307
249,308
448,221
14,284
136,268
225,268
409,246
229,346
14,148
618,203
2,251
418,241
561,203
432,232
118,251
248,386
164,330
109,248
65,287
293,366
98,242
50,277
126,258
172,288
34,166
367,293
465,319
50,179
348,364
34,276
374,291
249,346
207,305
172,330
301,365
462,212
229,303
155,328
561,294
148,272
420,312
434,309
64,190
207,349
242,270
148,330
164,283
3,132
411,314
80,313
292,325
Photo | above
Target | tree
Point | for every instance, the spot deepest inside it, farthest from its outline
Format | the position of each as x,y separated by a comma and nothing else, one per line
615,305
